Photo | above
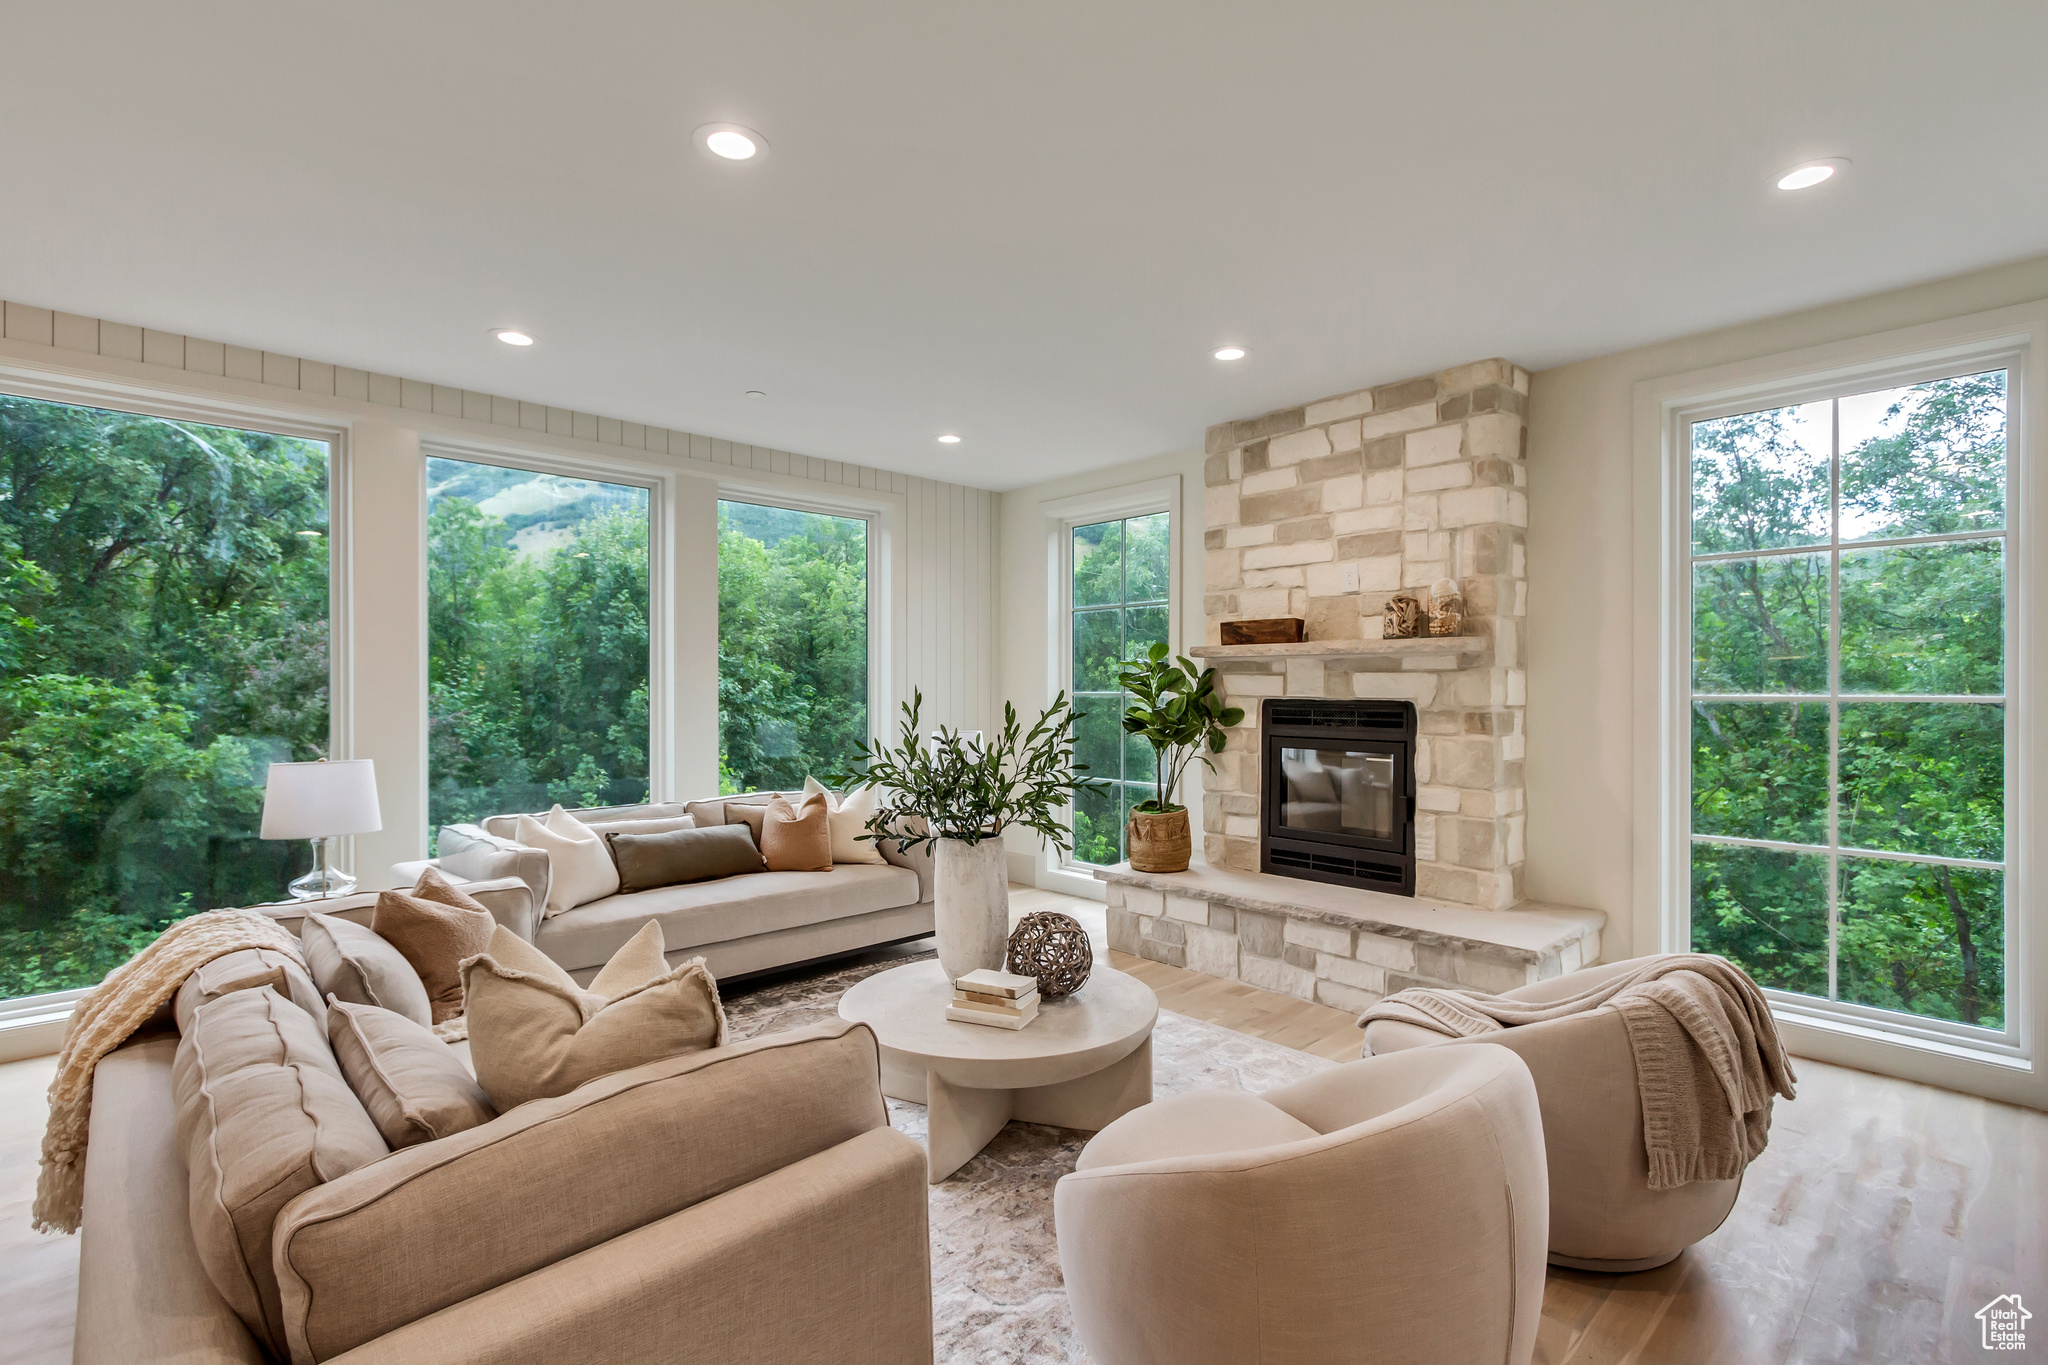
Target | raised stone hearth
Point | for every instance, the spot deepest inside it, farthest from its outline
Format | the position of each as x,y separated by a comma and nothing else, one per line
1337,945
1326,510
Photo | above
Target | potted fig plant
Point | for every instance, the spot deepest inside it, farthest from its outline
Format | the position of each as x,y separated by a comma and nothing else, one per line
958,794
1176,709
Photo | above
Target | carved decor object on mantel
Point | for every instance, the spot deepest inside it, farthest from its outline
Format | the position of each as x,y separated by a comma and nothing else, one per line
1278,630
1446,608
1402,619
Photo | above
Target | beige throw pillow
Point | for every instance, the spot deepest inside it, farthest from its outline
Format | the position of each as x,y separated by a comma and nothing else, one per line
849,816
243,970
579,869
435,925
351,961
534,1033
797,838
414,1086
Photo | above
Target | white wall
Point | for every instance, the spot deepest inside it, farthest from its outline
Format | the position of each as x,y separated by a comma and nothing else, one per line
1026,655
1581,584
936,567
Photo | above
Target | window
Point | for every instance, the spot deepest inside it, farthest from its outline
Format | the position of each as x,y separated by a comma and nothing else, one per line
1848,697
792,644
1118,591
537,653
163,639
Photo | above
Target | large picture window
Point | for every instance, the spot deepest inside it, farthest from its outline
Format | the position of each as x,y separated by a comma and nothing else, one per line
1118,592
1847,762
537,660
792,644
163,639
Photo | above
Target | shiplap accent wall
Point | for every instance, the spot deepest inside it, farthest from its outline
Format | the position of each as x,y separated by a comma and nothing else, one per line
945,646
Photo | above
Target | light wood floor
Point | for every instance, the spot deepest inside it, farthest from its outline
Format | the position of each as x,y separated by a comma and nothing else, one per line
1882,1216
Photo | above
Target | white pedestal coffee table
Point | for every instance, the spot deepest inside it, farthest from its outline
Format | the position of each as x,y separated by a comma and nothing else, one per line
1084,1061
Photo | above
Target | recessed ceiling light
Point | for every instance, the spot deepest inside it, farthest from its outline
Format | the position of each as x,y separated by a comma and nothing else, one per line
731,142
1807,174
1229,353
949,439
757,393
512,336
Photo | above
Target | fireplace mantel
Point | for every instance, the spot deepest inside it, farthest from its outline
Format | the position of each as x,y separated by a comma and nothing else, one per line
1433,652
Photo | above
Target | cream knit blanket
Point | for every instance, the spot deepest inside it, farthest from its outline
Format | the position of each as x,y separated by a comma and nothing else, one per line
1706,1049
115,1008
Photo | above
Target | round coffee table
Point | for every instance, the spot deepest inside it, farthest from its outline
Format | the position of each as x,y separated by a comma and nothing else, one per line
1084,1061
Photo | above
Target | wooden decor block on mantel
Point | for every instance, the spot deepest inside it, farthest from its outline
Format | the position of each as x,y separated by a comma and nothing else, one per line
1277,630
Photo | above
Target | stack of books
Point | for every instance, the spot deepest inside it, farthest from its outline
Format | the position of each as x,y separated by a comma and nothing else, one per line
998,999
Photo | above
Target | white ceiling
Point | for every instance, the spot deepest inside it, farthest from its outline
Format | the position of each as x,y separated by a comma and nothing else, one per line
1025,222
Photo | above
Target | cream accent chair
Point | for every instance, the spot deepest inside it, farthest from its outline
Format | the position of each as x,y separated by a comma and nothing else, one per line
1603,1213
1387,1211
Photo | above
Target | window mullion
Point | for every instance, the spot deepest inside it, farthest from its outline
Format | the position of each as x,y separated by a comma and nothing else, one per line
1834,697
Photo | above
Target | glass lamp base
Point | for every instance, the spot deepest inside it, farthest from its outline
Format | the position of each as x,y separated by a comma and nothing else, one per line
324,880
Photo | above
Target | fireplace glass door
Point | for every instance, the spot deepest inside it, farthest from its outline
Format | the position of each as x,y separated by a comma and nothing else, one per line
1350,792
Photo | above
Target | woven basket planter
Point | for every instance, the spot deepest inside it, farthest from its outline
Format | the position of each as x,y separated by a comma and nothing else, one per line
1159,842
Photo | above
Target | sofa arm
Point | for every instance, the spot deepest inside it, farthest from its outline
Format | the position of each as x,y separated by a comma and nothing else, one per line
471,854
837,1246
434,1225
918,859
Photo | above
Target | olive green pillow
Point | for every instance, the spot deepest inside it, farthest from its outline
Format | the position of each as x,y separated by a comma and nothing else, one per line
674,856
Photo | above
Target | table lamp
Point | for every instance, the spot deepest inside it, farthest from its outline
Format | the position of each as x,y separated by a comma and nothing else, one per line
321,802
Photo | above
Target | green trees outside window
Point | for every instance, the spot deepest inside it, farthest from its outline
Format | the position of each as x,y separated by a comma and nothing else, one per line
537,646
1847,570
792,645
1119,610
163,639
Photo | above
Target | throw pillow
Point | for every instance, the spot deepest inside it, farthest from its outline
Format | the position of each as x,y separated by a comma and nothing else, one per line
579,870
749,813
797,838
353,962
414,1086
243,970
263,1116
435,925
534,1033
849,819
646,861
603,827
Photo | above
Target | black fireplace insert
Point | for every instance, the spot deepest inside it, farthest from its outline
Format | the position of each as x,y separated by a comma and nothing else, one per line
1337,802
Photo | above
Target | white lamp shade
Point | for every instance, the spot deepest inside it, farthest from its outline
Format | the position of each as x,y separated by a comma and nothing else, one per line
319,800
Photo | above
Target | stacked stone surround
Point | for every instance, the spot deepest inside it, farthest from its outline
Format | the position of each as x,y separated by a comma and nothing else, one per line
1326,510
1334,946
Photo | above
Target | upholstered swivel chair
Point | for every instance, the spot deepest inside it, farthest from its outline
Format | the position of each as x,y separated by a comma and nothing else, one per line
1389,1211
1603,1213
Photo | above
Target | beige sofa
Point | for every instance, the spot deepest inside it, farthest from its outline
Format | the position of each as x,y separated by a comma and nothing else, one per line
739,925
749,1202
1603,1213
1389,1210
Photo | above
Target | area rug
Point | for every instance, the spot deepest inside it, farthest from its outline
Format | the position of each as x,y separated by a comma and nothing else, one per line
997,1297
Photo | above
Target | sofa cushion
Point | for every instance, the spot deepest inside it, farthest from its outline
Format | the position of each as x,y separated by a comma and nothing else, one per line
704,913
603,827
248,969
646,861
435,925
351,961
797,836
263,1116
534,1033
413,1085
507,826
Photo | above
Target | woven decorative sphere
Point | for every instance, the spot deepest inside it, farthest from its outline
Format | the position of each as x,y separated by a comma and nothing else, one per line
1053,948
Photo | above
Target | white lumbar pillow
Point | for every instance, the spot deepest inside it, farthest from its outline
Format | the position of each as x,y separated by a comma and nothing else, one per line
579,869
848,818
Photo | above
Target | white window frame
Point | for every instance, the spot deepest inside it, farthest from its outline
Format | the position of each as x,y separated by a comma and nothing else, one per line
1059,870
882,512
660,487
2004,1062
39,1014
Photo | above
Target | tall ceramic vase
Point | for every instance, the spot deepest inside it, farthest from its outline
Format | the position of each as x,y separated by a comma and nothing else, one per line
972,905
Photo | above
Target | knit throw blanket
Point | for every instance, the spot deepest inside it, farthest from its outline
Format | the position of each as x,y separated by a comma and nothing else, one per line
1706,1050
114,1009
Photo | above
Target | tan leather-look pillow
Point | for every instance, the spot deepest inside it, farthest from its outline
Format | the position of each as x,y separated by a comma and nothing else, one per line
353,962
646,861
798,838
413,1085
534,1033
435,925
248,969
263,1116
